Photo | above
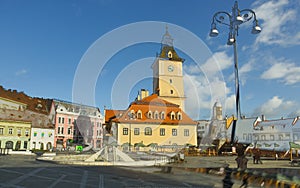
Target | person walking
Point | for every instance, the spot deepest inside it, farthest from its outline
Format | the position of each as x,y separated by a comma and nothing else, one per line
258,154
254,153
245,181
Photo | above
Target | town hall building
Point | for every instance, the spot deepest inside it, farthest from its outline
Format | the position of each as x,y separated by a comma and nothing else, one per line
158,118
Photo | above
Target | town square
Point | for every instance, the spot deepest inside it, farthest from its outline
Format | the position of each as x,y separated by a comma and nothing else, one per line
156,94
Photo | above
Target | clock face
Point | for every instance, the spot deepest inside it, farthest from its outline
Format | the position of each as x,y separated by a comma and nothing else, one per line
170,68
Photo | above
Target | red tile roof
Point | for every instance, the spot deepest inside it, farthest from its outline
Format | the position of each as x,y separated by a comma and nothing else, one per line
35,104
37,120
151,104
112,114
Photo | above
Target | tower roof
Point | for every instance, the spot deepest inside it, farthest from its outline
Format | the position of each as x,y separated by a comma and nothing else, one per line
217,104
167,48
167,38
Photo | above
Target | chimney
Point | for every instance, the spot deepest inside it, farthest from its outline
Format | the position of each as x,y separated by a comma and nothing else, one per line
142,94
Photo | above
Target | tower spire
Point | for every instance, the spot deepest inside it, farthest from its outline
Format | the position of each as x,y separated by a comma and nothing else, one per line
167,39
167,49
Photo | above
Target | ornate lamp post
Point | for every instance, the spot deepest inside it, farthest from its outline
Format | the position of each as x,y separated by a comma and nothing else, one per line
233,22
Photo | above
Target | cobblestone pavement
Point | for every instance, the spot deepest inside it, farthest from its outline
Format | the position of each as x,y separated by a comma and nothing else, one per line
25,171
189,170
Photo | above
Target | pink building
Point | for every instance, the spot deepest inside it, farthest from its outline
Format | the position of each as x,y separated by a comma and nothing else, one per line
77,124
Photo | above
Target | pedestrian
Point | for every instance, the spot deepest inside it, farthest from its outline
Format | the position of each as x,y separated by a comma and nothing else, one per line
245,181
242,162
258,160
254,159
254,153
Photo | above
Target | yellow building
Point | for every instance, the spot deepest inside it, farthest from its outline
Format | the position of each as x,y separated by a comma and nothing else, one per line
167,73
159,118
15,134
151,120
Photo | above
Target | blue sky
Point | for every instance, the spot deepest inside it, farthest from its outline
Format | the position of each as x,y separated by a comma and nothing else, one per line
42,44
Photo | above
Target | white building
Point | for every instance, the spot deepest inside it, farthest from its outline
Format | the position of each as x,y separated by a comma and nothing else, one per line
42,138
265,134
276,134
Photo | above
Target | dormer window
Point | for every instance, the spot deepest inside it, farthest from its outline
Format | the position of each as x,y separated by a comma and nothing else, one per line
172,115
162,115
139,114
149,115
179,116
156,116
170,55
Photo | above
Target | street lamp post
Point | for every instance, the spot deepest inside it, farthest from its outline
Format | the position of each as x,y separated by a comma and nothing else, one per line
233,22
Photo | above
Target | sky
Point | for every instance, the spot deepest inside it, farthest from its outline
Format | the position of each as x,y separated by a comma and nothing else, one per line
100,52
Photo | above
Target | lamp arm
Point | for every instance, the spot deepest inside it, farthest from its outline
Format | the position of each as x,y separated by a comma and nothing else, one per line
220,18
246,16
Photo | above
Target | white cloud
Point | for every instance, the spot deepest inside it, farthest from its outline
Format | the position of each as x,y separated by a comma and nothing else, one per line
274,107
217,62
246,68
197,95
243,70
286,71
201,94
204,84
229,104
21,72
280,24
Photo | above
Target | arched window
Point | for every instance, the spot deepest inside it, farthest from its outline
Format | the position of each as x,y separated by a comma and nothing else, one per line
179,116
150,115
9,145
172,115
171,91
42,146
139,114
148,131
156,115
18,145
49,146
162,115
170,55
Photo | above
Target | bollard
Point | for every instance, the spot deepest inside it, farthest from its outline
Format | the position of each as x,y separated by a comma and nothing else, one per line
227,183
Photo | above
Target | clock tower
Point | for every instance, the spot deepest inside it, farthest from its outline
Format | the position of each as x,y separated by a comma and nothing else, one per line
167,73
